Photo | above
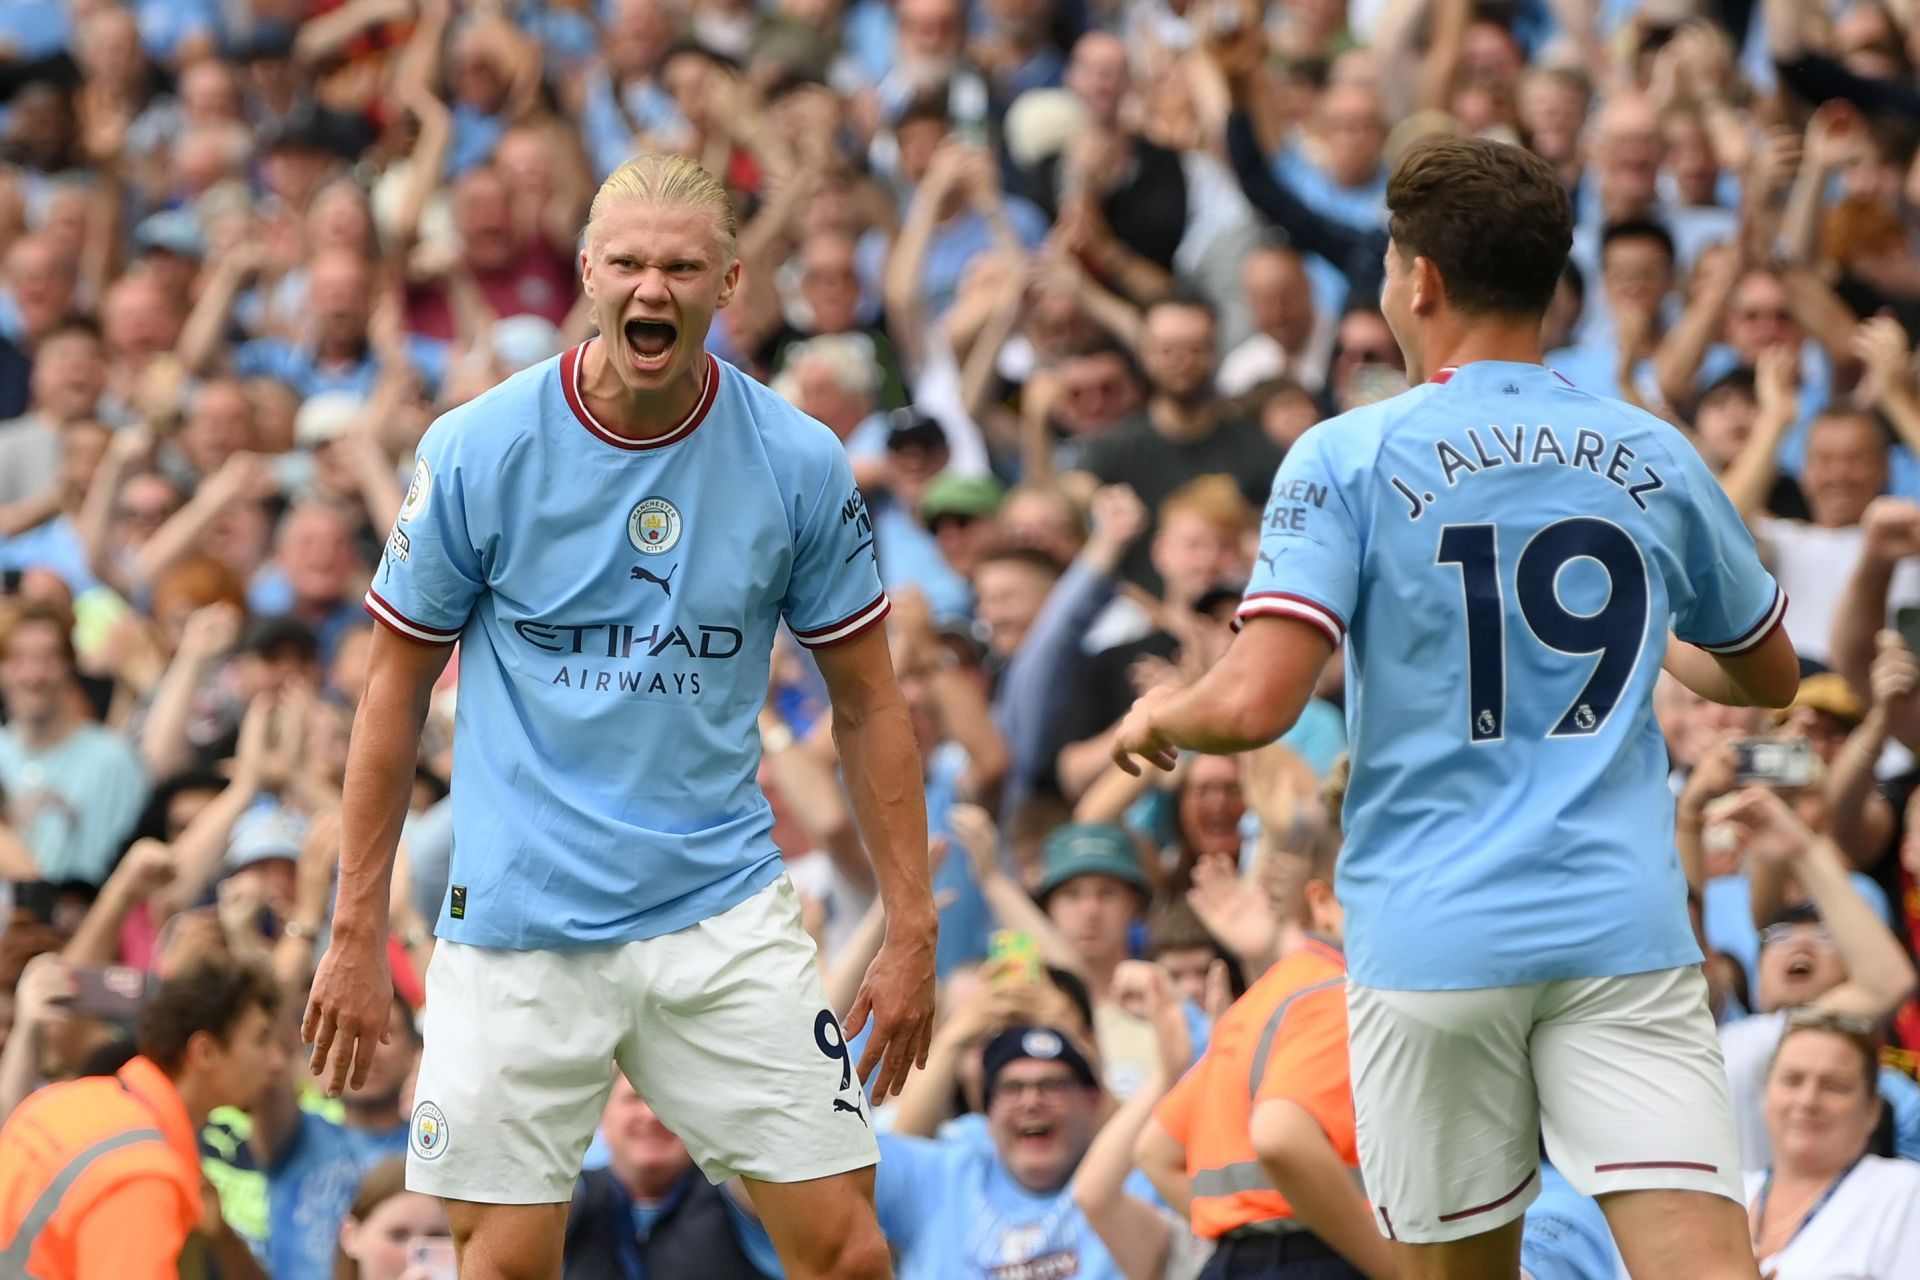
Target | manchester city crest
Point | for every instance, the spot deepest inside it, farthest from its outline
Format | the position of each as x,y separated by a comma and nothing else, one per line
428,1132
653,527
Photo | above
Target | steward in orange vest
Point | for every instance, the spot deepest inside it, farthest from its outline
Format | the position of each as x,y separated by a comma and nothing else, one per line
100,1177
1258,1138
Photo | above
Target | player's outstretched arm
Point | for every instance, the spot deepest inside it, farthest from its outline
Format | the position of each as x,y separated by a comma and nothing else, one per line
1244,701
881,765
348,1011
1767,675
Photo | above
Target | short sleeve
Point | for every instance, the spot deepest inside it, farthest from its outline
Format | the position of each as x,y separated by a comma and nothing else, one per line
1732,602
834,592
1308,1064
430,573
1309,560
1174,1112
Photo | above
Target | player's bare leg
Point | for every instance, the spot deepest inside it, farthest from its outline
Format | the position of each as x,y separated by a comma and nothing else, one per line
1680,1235
824,1228
508,1241
1482,1257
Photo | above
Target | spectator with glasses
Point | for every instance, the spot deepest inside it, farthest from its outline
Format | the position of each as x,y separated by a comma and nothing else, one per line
1828,1206
964,1206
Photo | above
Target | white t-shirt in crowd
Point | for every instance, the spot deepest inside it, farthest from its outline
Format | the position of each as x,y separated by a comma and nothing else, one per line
1869,1230
1813,565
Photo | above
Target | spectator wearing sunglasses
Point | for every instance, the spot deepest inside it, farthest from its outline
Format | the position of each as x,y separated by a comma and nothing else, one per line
1839,958
1828,1205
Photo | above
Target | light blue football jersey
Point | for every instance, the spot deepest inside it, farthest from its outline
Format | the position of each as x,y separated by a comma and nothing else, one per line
616,605
1505,555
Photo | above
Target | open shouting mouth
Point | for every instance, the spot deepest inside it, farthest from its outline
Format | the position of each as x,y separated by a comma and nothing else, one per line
650,342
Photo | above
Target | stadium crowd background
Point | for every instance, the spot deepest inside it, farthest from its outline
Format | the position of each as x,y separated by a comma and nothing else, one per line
1067,278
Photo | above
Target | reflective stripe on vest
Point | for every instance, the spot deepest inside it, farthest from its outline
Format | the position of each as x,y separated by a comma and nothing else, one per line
1265,1047
13,1260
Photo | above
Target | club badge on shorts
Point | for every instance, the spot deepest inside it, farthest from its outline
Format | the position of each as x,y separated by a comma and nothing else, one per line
653,526
427,1133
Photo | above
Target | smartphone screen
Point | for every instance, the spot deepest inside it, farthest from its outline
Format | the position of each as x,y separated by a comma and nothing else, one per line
112,994
1773,762
1906,621
432,1258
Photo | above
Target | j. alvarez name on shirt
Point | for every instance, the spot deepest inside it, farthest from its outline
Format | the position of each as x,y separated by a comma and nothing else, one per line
1488,448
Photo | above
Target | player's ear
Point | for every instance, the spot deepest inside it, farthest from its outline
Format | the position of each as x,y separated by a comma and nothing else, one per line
1428,288
586,273
729,281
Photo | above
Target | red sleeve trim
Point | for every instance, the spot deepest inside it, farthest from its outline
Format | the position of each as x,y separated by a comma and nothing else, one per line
847,628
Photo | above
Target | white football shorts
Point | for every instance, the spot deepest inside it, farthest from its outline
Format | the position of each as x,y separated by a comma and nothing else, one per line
1454,1090
723,1028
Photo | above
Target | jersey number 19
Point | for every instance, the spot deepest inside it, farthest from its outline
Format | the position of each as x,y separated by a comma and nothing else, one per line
1615,632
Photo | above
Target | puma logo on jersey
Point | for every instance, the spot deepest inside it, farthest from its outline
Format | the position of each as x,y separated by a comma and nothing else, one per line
841,1104
643,574
1270,559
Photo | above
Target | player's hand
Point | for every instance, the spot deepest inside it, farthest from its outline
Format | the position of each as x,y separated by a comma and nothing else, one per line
897,995
1769,828
350,1008
1893,528
1138,736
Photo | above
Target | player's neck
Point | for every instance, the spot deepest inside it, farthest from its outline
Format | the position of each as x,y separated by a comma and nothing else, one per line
1451,344
638,415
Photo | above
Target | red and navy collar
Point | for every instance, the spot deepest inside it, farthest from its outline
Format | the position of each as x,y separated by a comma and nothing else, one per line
1443,376
571,366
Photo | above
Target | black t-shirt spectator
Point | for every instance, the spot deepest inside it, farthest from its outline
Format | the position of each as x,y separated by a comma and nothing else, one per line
1147,212
15,372
1135,454
1104,690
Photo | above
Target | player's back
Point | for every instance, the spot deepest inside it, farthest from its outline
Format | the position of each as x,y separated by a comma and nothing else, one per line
1509,554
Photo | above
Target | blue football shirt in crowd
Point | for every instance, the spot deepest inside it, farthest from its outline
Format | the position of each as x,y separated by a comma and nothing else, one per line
1566,1236
1510,554
310,1187
951,1211
616,603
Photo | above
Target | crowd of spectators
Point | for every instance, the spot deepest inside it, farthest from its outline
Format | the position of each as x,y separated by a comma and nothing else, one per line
1067,277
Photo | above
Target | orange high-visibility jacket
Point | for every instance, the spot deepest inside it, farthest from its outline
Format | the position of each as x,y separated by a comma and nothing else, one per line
1286,1039
99,1180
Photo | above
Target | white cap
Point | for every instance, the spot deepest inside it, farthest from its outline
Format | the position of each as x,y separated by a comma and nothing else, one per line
325,417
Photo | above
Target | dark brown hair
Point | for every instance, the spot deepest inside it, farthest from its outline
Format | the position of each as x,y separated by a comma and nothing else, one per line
1493,218
211,995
